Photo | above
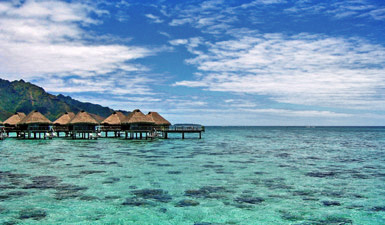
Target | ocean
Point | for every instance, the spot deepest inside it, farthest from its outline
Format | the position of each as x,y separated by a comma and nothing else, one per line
233,175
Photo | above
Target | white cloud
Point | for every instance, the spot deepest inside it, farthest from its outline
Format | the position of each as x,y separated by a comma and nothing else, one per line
46,40
165,34
212,16
154,19
377,14
118,84
261,116
179,103
340,9
240,103
128,103
30,60
179,42
302,69
191,43
298,113
262,2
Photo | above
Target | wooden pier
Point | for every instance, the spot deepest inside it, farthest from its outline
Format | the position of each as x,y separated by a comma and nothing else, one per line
83,125
183,129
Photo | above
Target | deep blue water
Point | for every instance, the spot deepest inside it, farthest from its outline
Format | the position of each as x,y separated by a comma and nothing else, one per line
233,175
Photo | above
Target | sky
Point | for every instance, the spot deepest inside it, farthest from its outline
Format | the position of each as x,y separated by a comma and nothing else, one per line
215,62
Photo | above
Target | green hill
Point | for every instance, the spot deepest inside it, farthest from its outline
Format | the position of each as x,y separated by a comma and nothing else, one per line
21,96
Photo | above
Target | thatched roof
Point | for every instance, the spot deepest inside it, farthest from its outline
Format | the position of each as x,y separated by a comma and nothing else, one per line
35,117
137,117
83,117
98,118
14,119
115,118
158,119
65,118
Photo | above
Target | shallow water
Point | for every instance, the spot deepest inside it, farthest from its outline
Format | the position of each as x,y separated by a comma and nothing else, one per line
234,175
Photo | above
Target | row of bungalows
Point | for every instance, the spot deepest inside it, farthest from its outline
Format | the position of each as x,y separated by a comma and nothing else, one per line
85,125
136,124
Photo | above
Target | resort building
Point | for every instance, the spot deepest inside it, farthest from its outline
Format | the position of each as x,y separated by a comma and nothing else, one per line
136,123
35,124
113,123
62,123
10,124
83,125
160,122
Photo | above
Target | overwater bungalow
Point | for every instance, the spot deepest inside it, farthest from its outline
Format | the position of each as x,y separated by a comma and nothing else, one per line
160,122
11,124
62,123
137,123
83,125
35,124
113,123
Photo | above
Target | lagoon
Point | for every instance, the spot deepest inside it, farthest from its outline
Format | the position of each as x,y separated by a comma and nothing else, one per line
233,175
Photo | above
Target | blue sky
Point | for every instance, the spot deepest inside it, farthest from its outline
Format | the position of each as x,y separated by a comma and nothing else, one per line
216,62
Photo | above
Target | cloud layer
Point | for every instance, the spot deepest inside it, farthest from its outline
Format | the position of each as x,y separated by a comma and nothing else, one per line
47,39
301,69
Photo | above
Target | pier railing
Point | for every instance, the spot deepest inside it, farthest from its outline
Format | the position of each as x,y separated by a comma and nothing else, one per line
110,128
185,128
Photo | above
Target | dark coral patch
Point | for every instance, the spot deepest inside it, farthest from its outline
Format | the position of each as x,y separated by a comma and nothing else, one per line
35,214
331,203
323,174
249,199
207,192
91,171
155,194
111,180
174,172
186,203
135,202
88,198
378,209
43,182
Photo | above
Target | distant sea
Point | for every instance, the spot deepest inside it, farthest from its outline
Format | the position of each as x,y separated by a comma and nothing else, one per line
233,175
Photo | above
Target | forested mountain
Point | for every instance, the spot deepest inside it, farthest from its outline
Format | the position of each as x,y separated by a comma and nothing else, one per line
21,96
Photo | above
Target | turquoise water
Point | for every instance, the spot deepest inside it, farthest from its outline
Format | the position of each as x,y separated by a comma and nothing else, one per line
234,175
